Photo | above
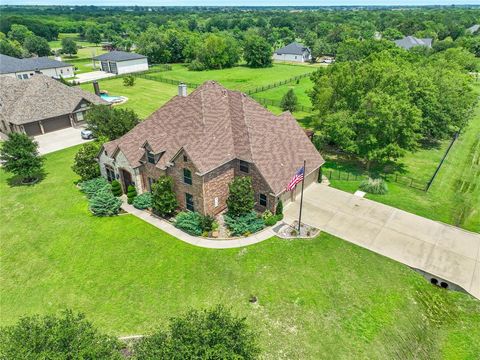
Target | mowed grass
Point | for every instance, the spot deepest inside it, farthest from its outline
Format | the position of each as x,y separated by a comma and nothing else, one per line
315,297
300,90
240,78
144,97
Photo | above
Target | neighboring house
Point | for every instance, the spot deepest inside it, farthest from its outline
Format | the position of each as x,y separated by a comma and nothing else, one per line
25,68
122,62
41,104
203,141
409,42
473,29
293,52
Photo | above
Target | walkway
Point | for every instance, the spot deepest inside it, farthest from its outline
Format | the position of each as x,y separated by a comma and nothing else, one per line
447,252
198,241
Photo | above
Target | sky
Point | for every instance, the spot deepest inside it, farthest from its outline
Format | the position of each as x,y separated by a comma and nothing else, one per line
238,2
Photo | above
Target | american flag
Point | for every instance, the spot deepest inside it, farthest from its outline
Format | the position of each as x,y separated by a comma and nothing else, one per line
298,177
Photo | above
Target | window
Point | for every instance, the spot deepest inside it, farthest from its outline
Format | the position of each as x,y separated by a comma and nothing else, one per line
243,166
20,77
187,176
110,173
263,200
189,202
80,116
61,71
185,158
150,157
25,76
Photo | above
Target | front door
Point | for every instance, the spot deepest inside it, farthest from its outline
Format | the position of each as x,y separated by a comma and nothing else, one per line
127,180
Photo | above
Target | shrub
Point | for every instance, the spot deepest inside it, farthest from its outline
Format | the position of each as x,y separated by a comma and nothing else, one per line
241,198
116,188
143,201
19,155
129,80
91,187
66,336
206,334
131,193
195,223
196,65
374,186
103,203
271,219
190,222
245,224
85,163
164,201
279,208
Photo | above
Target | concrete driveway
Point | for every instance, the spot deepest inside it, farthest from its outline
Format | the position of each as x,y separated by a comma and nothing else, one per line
58,140
447,252
93,75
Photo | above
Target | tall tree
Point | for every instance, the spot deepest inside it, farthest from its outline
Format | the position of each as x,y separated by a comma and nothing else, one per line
69,46
37,45
257,52
93,34
19,33
111,123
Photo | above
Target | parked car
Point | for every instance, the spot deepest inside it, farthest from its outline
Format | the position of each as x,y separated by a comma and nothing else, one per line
87,134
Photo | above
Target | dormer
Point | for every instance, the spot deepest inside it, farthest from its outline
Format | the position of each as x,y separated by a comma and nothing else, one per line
149,155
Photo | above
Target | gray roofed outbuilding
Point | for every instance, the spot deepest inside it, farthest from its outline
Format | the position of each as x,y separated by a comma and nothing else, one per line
39,97
473,29
411,41
293,48
118,56
9,64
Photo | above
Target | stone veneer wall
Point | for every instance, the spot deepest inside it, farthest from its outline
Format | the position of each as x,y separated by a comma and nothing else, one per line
120,162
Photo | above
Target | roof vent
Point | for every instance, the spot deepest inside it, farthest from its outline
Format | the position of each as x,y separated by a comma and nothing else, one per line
182,89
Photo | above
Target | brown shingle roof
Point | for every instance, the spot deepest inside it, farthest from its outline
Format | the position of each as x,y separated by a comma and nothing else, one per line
215,125
40,97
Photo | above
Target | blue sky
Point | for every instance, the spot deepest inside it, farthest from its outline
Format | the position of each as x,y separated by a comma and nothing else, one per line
238,2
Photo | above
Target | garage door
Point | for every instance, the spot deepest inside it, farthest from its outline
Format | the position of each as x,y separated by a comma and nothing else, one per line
33,129
56,124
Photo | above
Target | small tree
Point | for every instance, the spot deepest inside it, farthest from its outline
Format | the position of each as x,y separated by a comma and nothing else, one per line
241,197
103,203
206,334
131,193
85,163
19,155
116,188
164,201
110,122
289,101
69,46
279,208
66,336
129,80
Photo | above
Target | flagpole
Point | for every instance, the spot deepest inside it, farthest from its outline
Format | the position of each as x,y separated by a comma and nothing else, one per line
301,196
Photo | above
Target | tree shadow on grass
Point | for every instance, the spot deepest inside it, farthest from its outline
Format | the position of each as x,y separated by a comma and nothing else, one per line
16,181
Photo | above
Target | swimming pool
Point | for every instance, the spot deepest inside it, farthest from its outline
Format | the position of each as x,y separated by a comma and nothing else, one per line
112,99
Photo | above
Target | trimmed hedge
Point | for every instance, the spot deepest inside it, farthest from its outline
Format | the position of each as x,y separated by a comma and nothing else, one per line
190,222
131,193
116,188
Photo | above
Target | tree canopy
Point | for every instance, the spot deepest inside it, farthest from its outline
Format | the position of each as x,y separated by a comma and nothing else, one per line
109,122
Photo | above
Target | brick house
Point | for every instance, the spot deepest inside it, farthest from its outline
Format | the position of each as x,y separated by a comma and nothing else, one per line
203,141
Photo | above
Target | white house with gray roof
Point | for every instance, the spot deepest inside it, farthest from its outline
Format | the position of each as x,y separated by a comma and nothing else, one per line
122,62
26,68
295,52
409,42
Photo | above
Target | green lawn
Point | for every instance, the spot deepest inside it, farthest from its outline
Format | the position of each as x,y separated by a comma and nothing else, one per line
237,78
316,297
57,44
300,89
454,197
144,97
